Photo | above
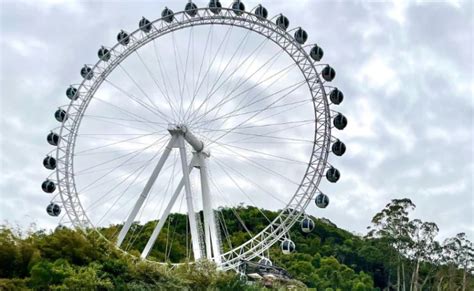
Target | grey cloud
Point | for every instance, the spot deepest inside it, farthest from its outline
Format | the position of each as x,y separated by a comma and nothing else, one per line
420,139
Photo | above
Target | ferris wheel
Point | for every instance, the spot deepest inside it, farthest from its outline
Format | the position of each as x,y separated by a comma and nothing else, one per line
201,112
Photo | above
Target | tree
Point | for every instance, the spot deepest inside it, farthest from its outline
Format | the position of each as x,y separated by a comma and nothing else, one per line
338,276
45,274
9,253
460,252
392,226
88,278
327,258
423,248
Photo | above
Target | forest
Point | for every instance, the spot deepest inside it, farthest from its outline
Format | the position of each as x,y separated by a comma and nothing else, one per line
397,253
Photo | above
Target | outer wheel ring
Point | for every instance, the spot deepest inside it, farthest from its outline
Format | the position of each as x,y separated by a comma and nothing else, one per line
322,132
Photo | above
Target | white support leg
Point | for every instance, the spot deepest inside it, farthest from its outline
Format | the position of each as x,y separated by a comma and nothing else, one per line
164,216
189,201
210,227
146,190
205,206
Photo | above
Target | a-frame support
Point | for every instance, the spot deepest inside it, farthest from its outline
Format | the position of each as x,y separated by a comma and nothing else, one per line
180,134
210,227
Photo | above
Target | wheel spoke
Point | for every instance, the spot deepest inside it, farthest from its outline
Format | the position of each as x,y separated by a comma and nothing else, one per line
229,94
163,93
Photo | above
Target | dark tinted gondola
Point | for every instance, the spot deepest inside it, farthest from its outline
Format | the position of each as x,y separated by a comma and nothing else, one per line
336,96
338,148
238,7
215,6
261,12
53,138
53,209
333,175
71,93
144,25
60,115
123,38
301,36
322,200
283,22
49,163
328,73
316,53
340,121
191,9
103,54
167,15
87,73
48,186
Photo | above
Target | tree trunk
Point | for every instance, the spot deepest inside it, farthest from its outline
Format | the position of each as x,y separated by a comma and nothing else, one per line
440,282
389,283
428,277
403,276
415,279
412,279
398,275
464,281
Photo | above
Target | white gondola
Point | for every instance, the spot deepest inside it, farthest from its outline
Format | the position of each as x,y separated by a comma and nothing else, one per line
265,262
307,225
288,246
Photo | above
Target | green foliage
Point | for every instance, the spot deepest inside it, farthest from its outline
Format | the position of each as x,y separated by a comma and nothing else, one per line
203,275
45,274
328,258
9,254
87,278
324,273
14,284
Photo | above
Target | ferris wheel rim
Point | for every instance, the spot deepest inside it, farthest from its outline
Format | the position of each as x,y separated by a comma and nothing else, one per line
220,19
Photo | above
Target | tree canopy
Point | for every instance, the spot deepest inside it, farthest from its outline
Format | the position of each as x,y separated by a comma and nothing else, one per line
397,254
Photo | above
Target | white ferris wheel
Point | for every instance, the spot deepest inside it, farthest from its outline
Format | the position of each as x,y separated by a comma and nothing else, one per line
199,112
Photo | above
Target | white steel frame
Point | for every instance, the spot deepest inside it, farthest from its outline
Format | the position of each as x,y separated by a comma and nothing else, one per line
317,164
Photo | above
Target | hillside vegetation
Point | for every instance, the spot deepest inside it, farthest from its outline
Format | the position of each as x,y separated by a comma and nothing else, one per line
397,254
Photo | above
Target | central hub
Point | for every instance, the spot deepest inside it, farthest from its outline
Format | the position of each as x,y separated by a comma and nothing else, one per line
181,129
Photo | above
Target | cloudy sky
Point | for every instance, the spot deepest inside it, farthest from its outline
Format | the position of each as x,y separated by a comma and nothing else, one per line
406,69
